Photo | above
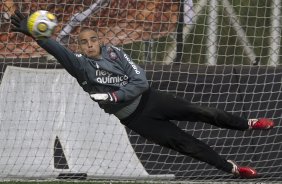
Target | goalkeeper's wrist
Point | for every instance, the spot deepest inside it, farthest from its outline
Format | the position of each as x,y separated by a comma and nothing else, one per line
104,97
113,97
41,38
41,41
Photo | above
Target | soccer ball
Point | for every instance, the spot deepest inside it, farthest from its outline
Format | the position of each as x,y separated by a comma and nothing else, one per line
41,24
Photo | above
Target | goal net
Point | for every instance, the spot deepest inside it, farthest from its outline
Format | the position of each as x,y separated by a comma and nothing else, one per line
218,53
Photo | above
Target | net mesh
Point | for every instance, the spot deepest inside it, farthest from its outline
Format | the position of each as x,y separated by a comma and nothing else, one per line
228,54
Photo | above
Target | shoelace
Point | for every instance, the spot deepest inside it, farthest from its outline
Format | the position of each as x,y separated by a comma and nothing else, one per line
252,122
235,169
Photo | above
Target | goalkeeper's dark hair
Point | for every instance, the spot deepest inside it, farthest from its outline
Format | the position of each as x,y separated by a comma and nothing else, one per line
85,29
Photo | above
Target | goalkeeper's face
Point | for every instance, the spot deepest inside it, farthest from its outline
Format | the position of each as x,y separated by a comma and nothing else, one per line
89,43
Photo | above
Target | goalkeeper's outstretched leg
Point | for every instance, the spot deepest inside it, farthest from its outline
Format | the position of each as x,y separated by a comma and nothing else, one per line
152,120
176,108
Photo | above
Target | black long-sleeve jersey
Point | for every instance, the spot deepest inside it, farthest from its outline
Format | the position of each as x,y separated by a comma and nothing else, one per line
115,73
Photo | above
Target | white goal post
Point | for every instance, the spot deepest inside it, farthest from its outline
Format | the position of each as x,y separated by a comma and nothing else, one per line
92,142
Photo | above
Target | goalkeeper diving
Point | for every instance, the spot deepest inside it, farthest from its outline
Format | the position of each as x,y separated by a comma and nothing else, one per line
120,87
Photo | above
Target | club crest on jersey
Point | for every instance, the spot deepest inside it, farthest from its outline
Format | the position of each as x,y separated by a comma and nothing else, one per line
112,54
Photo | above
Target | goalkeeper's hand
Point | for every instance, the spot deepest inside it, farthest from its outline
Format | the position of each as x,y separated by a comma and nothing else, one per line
103,97
19,22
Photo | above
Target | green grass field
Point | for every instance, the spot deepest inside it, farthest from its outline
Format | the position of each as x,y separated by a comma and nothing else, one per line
76,182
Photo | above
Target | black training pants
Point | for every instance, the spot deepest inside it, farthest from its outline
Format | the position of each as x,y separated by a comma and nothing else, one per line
152,118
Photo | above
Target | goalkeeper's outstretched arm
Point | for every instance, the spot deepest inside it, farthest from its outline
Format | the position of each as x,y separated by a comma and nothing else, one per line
66,57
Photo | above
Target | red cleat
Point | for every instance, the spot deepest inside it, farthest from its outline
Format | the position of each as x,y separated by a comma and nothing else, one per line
260,124
243,171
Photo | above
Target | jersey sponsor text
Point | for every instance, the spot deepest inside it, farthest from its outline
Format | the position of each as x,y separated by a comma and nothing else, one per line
105,77
132,64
